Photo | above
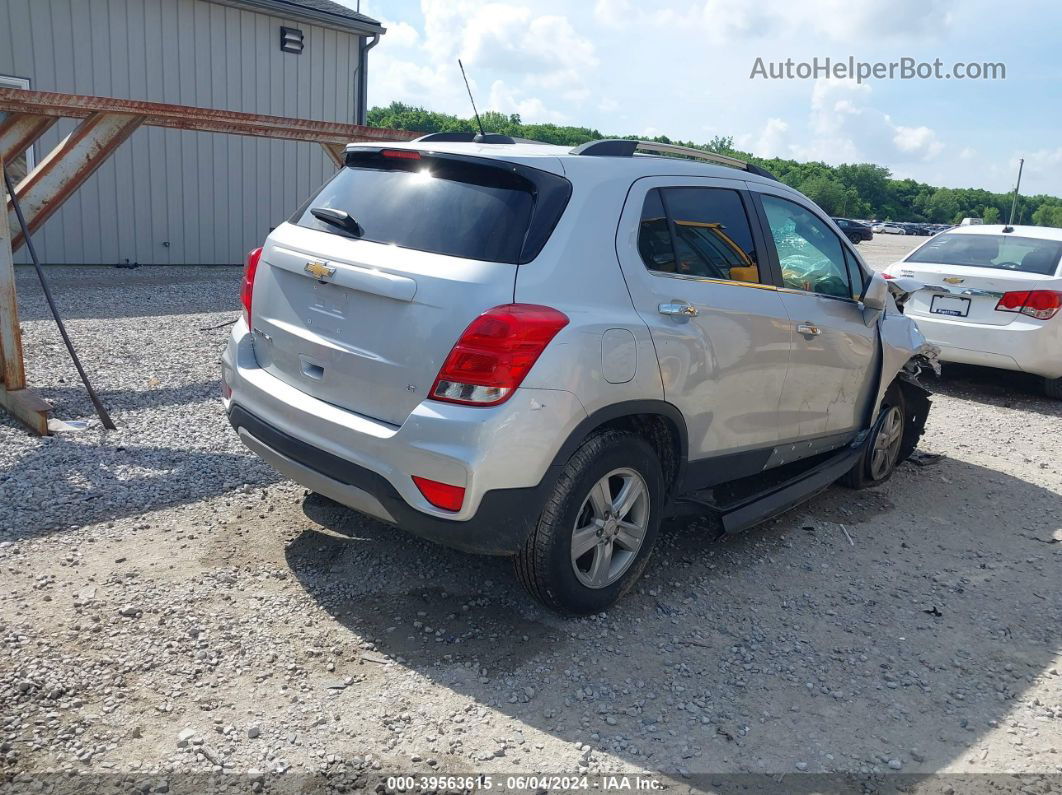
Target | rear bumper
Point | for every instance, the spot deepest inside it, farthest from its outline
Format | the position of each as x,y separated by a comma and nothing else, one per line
499,527
1024,345
502,455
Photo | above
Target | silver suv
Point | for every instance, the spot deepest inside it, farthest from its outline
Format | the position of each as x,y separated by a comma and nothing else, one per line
519,349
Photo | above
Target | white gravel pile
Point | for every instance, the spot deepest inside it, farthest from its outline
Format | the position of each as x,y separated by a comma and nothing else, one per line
169,608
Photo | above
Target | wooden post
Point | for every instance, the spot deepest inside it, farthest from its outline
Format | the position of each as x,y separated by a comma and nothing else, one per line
22,403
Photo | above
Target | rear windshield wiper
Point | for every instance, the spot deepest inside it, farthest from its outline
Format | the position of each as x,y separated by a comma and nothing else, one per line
338,218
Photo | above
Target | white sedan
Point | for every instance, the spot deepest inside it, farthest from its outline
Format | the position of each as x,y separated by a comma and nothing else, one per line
991,297
889,229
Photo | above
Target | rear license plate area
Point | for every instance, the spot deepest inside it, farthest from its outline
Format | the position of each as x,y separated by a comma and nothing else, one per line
329,299
950,305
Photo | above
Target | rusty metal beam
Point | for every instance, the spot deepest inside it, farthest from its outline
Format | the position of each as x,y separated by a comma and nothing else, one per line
184,117
12,369
68,165
22,403
19,130
337,152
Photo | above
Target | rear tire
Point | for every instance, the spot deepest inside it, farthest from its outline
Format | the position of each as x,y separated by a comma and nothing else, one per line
890,443
1053,388
598,527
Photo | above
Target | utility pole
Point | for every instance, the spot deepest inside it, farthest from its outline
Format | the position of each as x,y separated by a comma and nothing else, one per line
1014,203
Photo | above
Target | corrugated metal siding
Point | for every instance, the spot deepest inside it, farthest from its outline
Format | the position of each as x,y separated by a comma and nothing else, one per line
211,197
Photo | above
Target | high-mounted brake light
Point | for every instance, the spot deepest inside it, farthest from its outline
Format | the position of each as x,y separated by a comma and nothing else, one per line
495,352
401,154
1040,304
441,495
247,285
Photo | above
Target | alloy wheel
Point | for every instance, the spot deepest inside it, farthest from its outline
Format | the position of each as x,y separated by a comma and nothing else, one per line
610,528
887,443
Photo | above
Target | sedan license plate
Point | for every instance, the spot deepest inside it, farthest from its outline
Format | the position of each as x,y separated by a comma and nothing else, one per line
947,305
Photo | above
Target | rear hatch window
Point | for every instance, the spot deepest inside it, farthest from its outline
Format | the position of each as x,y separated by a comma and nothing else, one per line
1002,252
474,208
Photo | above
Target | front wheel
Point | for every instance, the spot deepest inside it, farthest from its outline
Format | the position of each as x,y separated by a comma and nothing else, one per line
888,445
598,528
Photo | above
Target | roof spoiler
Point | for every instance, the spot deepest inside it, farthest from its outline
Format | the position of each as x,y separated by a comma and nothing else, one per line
470,138
619,147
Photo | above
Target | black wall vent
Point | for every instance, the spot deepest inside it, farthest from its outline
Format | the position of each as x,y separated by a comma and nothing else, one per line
291,40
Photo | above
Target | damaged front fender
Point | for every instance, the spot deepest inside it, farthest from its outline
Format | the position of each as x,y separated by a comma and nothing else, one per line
905,353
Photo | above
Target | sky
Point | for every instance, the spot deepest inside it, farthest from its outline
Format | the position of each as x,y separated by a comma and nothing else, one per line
683,69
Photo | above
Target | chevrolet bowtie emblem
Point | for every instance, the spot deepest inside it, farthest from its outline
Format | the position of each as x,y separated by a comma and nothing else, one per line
954,280
319,270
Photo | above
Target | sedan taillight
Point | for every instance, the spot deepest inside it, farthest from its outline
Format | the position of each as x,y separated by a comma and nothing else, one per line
1040,304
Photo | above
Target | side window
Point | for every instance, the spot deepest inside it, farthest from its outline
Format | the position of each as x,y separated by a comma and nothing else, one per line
654,237
811,256
855,274
698,232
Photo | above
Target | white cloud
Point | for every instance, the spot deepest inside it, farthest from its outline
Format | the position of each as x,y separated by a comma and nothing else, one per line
845,21
726,20
917,140
505,100
512,48
400,34
771,142
840,20
843,126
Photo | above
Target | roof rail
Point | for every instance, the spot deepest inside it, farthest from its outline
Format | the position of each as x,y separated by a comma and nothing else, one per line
618,147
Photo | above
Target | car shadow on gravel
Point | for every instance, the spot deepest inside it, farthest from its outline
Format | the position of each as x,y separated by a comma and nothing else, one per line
72,400
92,483
896,623
1003,388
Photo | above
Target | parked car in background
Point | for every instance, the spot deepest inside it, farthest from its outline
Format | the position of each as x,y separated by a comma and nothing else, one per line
566,346
921,230
992,297
854,230
888,229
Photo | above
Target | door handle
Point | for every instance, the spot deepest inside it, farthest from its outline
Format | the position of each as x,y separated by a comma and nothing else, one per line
809,329
678,308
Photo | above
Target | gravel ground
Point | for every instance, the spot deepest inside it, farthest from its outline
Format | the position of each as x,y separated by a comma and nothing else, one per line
169,606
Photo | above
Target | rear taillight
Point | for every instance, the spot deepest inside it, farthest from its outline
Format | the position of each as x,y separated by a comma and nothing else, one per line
495,352
247,285
441,495
1040,304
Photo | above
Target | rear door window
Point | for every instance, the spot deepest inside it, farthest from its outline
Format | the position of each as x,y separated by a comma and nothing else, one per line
472,208
698,232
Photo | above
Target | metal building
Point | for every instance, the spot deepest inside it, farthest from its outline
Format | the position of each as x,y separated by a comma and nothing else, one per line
178,197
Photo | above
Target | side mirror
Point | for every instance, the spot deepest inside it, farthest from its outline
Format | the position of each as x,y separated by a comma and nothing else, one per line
877,293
